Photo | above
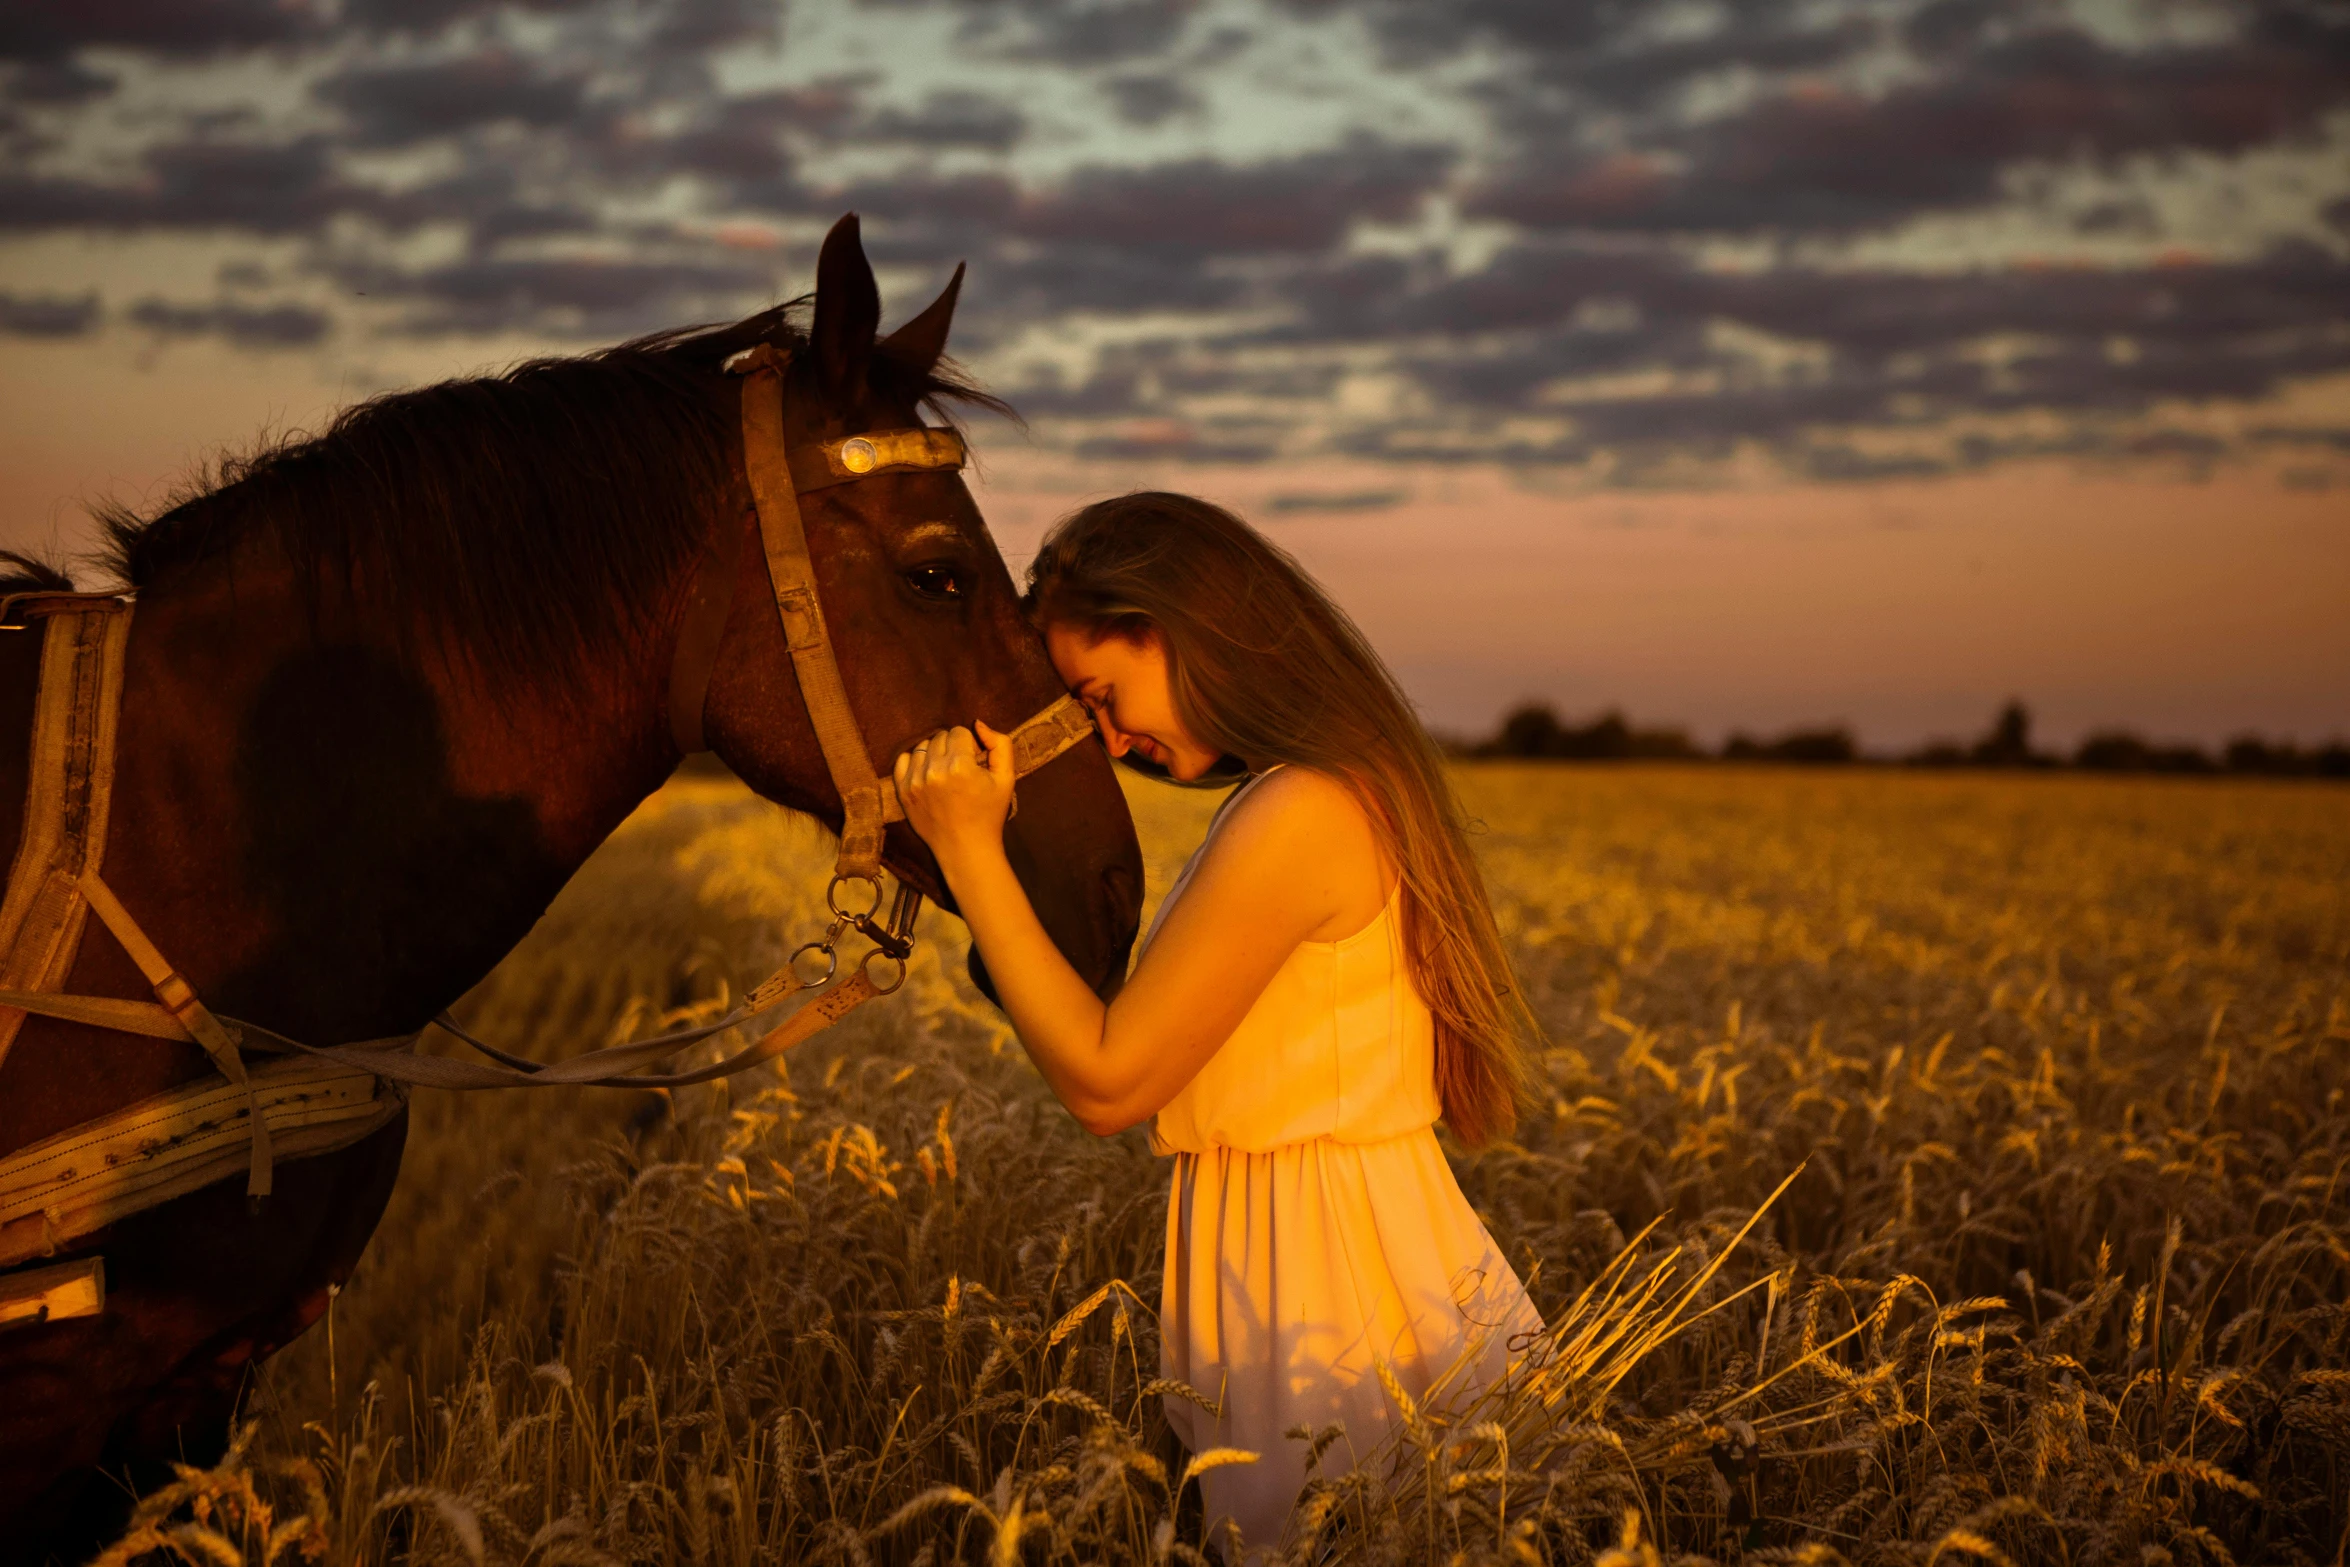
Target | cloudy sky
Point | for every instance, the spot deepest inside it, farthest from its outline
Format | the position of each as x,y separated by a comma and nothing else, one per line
1746,362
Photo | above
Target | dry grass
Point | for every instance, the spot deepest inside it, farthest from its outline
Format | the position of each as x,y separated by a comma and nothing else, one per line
2062,1278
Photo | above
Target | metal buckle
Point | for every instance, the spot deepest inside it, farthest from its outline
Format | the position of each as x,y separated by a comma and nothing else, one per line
865,967
893,942
831,963
803,622
929,446
897,938
832,898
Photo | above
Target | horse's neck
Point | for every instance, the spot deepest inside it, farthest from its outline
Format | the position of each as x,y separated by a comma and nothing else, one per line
334,837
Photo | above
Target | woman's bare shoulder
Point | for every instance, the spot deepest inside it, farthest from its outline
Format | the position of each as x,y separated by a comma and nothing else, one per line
1298,815
1299,794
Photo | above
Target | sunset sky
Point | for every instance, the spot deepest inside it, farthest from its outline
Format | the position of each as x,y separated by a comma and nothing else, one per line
1743,364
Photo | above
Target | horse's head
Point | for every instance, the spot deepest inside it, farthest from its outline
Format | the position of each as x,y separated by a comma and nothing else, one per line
926,623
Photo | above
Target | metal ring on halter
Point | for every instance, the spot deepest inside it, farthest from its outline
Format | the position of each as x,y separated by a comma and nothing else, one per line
831,963
832,898
865,967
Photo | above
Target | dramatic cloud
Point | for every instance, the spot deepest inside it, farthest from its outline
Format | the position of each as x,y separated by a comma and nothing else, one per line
47,315
51,29
752,146
1642,349
1869,238
1200,207
1814,158
247,326
258,187
1292,503
425,17
745,141
1073,32
1149,98
1532,28
577,294
398,105
951,119
55,81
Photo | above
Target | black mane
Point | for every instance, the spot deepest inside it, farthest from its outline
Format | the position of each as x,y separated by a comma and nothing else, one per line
21,572
525,517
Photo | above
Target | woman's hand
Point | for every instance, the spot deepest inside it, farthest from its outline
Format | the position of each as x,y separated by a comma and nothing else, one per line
956,794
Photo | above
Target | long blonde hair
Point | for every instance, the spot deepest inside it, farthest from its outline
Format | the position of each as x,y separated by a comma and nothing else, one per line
1265,667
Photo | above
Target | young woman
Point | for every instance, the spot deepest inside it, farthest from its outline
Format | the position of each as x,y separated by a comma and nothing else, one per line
1323,981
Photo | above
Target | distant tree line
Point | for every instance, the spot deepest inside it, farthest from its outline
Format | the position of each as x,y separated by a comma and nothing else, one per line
1535,731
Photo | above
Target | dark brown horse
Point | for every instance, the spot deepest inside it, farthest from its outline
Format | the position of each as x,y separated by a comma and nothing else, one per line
387,690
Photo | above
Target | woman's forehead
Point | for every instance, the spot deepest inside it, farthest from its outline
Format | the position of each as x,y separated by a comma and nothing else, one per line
1080,653
1073,649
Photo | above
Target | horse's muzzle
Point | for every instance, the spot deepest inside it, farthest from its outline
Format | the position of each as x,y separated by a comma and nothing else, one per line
1120,899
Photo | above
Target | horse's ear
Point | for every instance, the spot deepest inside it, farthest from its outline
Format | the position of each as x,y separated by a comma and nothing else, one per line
848,311
920,341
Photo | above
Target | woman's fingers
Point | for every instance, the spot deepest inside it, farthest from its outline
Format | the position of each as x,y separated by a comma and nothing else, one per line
997,747
927,759
949,753
955,785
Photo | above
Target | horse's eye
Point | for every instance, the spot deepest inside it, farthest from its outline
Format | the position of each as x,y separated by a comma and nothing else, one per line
936,582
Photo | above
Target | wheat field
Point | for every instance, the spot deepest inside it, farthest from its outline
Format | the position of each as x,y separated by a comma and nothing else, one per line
2047,1075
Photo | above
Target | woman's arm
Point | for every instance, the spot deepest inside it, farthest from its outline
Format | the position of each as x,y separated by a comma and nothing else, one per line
1297,855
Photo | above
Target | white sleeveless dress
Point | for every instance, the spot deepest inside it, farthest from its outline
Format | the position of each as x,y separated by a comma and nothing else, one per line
1314,1228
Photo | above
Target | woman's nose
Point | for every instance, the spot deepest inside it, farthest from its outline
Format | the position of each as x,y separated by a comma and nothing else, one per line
1113,738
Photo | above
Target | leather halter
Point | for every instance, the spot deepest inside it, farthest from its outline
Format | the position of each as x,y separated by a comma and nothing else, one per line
778,476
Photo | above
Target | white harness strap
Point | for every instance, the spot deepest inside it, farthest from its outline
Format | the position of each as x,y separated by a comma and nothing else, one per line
71,1289
92,1175
69,787
54,884
101,1172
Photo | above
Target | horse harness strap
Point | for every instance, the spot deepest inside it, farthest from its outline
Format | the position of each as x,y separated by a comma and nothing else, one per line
69,786
778,476
178,998
64,1188
791,571
54,883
